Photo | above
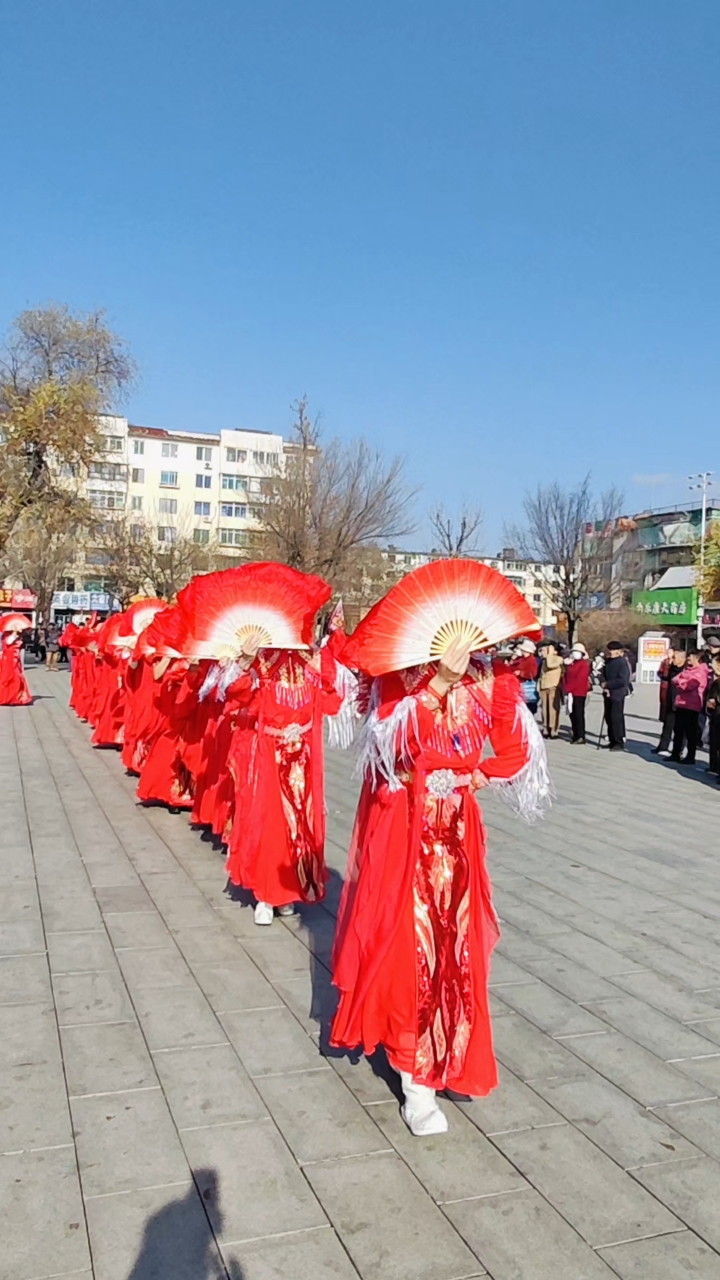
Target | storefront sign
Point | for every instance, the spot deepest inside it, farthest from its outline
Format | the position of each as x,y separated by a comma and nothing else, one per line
17,598
82,601
679,606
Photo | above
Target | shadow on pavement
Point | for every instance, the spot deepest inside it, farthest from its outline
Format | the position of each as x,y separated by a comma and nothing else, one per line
177,1241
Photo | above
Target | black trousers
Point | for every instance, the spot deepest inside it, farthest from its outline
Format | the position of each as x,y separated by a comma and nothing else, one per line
615,721
687,731
667,731
714,718
577,719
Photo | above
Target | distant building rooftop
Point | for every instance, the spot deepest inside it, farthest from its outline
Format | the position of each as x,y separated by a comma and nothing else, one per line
678,576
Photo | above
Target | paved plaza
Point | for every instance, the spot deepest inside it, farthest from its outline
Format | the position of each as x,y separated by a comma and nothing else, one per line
168,1107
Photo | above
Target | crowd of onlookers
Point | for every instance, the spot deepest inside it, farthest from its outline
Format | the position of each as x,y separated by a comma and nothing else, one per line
552,674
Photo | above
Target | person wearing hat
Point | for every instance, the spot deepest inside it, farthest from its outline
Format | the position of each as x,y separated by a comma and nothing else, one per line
615,687
551,672
524,666
576,683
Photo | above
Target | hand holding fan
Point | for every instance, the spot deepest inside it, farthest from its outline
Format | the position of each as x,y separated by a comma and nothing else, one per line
431,607
263,605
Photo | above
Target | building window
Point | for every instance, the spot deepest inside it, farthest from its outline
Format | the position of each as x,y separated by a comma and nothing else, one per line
203,482
236,455
203,454
201,536
255,513
108,501
114,444
233,482
169,451
233,538
202,508
106,471
168,479
236,509
138,446
254,486
537,598
137,503
138,475
168,506
166,533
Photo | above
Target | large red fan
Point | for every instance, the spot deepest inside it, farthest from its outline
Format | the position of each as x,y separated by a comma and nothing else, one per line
430,607
135,619
14,622
164,637
271,601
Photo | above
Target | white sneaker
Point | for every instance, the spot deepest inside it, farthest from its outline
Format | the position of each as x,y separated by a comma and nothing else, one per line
421,1112
287,909
263,913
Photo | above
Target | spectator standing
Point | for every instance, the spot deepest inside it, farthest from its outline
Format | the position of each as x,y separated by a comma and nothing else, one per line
690,688
524,666
670,667
551,671
52,645
577,683
713,710
616,686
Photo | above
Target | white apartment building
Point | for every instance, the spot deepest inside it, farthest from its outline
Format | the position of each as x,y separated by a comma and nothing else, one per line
186,483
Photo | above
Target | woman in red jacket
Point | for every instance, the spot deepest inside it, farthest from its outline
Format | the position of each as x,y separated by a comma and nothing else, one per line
576,682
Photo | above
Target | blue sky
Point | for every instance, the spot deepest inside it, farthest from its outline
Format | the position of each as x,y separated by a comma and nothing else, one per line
483,235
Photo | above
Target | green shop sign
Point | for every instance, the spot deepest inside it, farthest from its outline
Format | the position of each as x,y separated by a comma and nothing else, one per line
679,605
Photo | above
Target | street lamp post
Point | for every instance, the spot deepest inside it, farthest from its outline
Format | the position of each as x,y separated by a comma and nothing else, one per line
701,481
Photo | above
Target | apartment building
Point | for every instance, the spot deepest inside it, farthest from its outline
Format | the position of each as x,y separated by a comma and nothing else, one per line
534,581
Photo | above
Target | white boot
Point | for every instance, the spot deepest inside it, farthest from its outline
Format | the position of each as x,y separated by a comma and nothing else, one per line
421,1112
263,913
287,909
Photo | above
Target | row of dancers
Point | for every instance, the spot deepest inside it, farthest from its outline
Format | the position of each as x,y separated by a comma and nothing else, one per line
238,743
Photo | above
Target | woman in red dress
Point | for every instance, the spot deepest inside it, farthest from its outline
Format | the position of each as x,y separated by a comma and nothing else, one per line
276,757
416,926
14,691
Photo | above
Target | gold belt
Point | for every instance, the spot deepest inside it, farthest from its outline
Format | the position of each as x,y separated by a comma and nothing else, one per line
291,732
441,783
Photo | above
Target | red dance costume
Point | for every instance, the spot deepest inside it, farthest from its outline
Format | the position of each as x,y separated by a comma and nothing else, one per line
276,756
417,927
164,776
14,691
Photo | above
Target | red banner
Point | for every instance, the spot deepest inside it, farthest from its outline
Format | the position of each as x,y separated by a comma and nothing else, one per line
14,598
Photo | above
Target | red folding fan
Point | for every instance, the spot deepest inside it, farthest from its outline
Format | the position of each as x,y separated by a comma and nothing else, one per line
14,622
164,637
135,619
272,601
432,606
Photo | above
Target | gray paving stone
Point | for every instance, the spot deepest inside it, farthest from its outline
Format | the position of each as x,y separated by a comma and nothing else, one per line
113,901
529,1053
234,985
91,997
363,1079
549,1010
263,1191
594,955
635,1070
47,1179
662,1035
126,1141
690,1189
21,938
106,1058
161,1232
80,952
709,1030
203,945
699,1122
176,1017
207,1087
310,1255
624,1130
271,1041
605,1206
24,979
155,968
318,1117
704,1071
33,1107
138,929
503,971
388,1223
681,1256
19,903
28,1035
278,954
513,1105
521,1237
671,998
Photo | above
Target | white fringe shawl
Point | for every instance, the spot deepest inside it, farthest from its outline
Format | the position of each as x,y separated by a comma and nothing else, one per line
341,727
530,793
381,743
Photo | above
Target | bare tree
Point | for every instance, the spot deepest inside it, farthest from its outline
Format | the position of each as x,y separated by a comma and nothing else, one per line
457,537
140,557
330,502
58,372
572,530
38,553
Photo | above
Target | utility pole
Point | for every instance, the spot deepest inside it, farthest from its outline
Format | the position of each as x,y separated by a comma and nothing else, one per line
701,481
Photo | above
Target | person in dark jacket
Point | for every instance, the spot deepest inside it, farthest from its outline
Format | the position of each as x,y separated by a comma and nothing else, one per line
669,668
713,711
615,687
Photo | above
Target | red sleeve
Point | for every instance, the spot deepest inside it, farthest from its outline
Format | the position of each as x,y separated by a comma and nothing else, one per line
506,733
